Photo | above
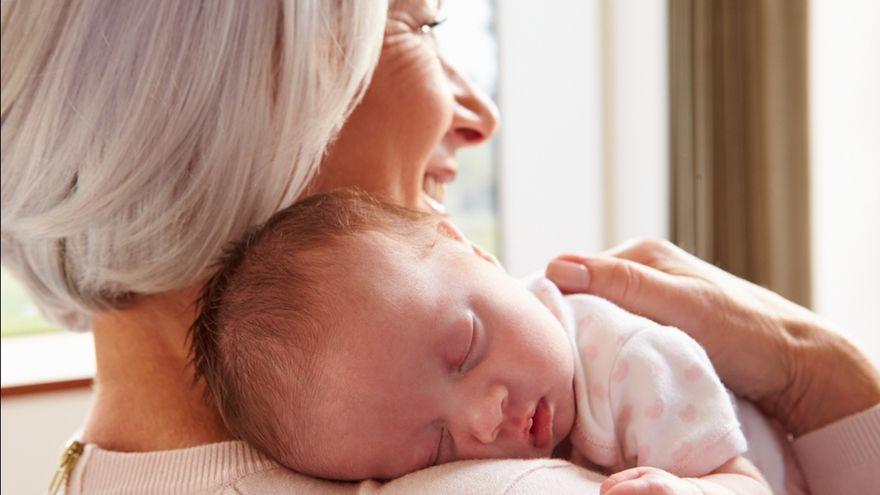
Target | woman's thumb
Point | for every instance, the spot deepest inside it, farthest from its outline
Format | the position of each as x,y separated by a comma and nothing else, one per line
632,286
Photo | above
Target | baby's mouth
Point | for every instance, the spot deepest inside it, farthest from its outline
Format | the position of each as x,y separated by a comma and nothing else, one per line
541,425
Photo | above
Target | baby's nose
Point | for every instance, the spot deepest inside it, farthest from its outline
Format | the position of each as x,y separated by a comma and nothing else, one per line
487,415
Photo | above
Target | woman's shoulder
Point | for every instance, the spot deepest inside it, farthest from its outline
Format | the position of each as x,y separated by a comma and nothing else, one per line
237,468
496,476
199,469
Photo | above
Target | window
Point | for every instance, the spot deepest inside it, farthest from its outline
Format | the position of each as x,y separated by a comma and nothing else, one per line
583,149
19,315
467,40
36,352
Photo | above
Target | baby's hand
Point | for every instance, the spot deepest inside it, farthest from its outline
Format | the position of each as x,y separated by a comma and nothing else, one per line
646,480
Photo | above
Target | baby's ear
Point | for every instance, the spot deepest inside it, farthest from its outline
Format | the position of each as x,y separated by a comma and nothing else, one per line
447,228
485,255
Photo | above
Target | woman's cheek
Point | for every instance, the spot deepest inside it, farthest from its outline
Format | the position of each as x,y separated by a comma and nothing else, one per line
430,104
421,89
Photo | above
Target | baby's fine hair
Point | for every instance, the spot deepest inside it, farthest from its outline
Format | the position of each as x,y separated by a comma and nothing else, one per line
264,322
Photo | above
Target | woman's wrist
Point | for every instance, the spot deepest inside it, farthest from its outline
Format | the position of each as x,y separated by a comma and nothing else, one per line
830,379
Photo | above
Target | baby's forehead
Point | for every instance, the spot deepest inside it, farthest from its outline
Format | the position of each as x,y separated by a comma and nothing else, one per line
415,240
371,259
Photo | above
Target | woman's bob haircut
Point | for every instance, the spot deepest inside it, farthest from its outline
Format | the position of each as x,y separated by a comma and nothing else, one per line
141,136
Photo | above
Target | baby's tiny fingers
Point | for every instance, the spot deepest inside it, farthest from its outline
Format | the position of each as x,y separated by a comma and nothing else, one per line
620,477
648,485
638,486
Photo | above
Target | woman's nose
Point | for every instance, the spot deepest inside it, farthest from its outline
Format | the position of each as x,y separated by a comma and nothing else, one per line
476,117
485,416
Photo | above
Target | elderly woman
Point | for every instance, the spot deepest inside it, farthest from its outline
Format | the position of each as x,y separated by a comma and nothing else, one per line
140,137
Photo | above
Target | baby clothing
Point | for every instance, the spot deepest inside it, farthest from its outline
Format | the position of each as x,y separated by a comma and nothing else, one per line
647,395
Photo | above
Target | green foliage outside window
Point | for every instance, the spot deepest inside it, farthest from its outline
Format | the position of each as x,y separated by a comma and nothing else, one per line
18,314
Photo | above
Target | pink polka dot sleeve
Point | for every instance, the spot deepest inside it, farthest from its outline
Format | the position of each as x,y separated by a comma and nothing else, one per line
646,395
670,409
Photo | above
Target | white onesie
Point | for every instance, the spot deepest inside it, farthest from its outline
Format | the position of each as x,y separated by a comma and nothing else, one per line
647,395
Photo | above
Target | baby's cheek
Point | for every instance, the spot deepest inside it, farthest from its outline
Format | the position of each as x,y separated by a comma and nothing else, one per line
551,353
565,414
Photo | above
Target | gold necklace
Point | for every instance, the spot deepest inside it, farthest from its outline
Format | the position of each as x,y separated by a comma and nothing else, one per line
61,481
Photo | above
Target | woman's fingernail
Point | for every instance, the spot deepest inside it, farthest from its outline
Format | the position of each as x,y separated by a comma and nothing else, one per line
569,275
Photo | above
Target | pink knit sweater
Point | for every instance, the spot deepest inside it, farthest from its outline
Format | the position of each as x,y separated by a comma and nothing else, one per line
840,459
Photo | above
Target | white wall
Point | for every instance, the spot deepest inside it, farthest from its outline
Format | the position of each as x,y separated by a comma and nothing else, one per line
637,120
845,137
550,164
35,431
584,126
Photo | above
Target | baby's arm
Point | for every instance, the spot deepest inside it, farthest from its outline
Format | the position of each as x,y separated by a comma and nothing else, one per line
736,476
672,417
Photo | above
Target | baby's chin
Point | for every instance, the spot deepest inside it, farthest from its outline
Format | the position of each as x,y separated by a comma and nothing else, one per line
566,412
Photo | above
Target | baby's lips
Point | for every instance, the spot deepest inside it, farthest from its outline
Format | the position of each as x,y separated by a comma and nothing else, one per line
542,425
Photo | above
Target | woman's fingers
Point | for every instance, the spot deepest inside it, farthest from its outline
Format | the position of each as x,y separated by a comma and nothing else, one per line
655,253
644,250
570,274
632,286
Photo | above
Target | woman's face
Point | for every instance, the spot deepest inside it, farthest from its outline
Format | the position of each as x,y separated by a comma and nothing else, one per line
417,112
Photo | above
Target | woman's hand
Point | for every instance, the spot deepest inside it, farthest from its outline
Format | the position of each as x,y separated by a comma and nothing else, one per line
765,348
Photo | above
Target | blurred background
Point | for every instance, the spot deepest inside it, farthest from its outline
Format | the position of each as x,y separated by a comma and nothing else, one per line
746,132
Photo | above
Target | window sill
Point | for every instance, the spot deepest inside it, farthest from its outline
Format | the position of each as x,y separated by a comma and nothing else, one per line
42,363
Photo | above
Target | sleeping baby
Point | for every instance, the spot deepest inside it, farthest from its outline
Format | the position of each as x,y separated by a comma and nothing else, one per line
350,339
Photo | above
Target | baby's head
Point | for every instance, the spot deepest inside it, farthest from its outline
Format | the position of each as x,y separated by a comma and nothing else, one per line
351,339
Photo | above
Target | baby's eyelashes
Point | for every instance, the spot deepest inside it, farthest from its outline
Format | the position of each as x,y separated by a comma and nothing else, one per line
470,347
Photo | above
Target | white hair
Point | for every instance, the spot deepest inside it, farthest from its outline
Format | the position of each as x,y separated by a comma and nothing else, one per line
139,137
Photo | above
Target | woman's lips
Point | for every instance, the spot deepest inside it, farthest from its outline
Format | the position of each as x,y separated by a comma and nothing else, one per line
541,431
